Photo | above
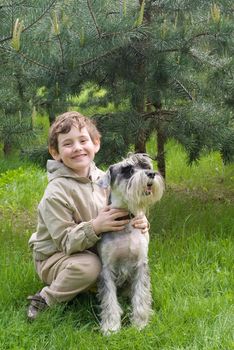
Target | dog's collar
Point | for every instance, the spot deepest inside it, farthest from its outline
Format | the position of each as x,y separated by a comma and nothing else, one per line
126,217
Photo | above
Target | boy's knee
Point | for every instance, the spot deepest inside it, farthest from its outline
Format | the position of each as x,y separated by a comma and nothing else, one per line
88,268
93,268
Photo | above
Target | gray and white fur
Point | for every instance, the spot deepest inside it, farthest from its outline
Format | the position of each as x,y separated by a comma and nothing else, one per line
134,186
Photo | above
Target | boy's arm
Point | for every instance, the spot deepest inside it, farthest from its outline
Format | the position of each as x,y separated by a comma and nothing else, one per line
67,235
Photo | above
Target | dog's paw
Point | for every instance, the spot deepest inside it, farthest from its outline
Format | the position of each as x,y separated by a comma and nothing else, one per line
140,323
110,328
141,320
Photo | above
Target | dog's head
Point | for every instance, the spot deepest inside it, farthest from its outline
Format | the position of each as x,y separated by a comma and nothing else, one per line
134,184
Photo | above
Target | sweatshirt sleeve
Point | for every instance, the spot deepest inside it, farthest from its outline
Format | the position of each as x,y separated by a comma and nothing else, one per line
67,235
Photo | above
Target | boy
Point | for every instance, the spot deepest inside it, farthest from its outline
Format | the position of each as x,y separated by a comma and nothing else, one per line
71,215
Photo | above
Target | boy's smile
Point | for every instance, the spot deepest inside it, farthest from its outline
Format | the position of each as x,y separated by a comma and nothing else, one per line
76,150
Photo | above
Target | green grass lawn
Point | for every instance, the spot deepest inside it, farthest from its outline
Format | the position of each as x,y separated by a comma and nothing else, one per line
191,261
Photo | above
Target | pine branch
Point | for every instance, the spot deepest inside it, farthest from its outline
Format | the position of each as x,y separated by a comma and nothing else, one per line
30,59
162,114
106,54
137,51
56,28
94,19
197,36
31,24
12,21
169,50
205,58
184,89
4,6
17,130
112,13
61,49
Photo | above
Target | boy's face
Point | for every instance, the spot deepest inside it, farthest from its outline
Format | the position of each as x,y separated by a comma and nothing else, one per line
76,150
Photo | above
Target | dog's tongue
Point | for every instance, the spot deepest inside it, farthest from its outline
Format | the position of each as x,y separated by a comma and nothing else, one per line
148,190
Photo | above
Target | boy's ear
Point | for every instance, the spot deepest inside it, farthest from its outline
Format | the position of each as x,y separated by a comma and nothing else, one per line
54,154
97,146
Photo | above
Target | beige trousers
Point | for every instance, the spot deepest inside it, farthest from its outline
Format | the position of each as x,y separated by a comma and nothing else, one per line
66,276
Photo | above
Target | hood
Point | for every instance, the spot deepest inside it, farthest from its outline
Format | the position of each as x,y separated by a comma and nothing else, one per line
56,169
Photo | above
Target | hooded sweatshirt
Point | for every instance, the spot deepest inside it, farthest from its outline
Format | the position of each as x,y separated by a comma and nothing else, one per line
66,210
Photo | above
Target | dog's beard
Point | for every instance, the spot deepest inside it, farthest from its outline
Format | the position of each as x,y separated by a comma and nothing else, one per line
140,192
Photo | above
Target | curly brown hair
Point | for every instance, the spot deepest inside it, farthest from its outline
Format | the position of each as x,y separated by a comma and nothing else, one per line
64,123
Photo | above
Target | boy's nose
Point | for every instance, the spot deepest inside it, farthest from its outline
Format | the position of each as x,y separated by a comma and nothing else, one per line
77,146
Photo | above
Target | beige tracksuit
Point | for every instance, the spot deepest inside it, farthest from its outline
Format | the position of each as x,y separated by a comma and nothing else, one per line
64,243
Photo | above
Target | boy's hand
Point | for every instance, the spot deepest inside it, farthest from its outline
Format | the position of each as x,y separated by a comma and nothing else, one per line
106,220
141,223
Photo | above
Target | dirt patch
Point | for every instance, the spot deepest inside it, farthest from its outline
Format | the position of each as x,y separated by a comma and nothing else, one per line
205,195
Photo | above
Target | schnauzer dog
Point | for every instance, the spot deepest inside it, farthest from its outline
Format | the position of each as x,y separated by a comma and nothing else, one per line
134,186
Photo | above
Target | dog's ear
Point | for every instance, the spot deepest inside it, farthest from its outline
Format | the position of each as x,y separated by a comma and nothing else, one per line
104,181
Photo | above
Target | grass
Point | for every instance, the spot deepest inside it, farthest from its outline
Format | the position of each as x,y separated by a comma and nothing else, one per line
191,260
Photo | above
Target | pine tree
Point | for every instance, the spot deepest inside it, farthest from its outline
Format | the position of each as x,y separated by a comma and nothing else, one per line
166,65
167,78
19,81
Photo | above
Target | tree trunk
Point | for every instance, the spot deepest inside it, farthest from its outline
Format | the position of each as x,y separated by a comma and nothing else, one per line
51,114
161,141
7,148
140,145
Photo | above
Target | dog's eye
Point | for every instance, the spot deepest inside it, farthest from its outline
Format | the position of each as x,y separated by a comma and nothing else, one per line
145,166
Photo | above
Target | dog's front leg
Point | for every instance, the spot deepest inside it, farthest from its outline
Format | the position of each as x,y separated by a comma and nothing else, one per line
110,309
141,297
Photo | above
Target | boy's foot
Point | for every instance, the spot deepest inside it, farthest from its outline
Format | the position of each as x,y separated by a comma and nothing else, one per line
37,304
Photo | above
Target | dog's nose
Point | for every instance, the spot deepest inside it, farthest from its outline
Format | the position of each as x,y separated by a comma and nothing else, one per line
151,174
